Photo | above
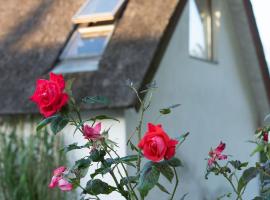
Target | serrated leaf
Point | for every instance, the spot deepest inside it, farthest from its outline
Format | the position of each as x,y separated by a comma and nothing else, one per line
165,170
71,147
247,176
97,155
237,164
175,162
162,188
148,178
102,171
96,99
96,187
82,163
58,124
45,122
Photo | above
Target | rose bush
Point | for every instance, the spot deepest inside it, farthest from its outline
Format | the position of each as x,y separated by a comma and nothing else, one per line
53,95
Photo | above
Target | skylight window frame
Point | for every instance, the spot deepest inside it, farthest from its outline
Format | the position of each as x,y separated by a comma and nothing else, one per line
97,17
93,32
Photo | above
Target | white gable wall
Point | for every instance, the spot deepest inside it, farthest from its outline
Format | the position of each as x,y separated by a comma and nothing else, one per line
216,105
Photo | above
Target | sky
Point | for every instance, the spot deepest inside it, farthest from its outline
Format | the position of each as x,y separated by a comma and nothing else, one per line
262,13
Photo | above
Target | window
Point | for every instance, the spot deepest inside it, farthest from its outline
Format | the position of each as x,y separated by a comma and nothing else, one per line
98,11
201,29
84,49
94,27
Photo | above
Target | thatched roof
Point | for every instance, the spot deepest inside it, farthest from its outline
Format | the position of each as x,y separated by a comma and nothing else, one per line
33,33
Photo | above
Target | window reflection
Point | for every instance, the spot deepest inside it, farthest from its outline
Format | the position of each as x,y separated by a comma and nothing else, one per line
200,29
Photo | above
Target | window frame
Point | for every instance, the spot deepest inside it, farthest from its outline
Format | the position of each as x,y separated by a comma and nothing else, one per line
97,17
211,37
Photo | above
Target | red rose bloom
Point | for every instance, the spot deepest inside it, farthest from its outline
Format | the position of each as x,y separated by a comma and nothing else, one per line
49,95
156,144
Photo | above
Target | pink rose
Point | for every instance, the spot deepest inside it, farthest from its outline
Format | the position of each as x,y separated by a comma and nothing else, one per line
216,154
59,181
92,133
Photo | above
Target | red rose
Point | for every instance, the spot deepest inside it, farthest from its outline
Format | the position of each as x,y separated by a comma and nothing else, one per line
49,95
156,144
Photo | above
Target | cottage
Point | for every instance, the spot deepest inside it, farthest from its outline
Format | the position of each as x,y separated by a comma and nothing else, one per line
205,55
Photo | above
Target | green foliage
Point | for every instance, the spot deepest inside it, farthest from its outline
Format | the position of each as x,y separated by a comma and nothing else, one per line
168,110
175,162
96,99
165,169
148,178
96,187
97,155
238,165
247,176
26,165
58,122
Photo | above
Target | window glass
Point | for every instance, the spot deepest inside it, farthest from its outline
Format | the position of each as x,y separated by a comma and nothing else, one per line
99,6
79,47
97,11
200,29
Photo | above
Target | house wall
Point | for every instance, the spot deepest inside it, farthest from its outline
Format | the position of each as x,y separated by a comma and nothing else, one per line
216,104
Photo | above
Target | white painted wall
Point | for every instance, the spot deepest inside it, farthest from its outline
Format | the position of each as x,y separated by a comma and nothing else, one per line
216,105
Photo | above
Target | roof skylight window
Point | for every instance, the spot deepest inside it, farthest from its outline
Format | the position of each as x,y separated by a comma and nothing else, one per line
98,11
84,49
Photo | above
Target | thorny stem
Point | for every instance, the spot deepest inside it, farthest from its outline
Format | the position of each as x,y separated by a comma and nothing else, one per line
239,196
119,187
176,183
126,173
139,129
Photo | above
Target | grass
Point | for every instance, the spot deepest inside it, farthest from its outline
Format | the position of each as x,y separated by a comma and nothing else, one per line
26,165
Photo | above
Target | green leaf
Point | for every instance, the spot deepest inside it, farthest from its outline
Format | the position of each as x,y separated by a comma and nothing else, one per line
97,155
148,178
103,117
237,164
58,124
103,170
165,170
96,187
258,198
175,162
162,188
259,148
45,122
130,179
165,111
82,163
96,99
126,160
71,147
247,176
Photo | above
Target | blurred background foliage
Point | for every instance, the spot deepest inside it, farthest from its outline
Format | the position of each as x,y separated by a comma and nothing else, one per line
27,161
